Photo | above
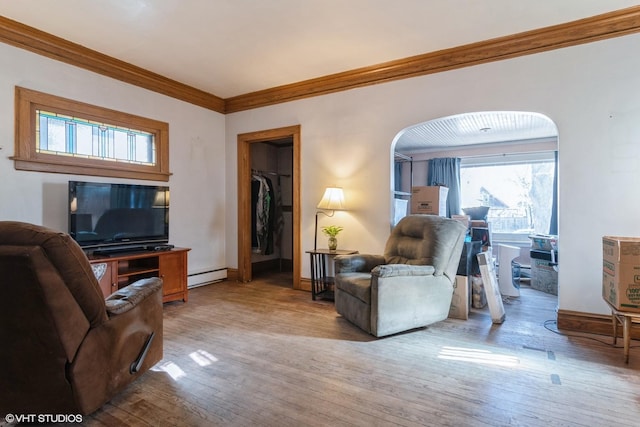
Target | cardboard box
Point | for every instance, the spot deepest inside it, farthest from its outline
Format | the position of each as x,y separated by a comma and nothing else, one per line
478,223
464,219
621,249
460,302
621,272
430,200
622,289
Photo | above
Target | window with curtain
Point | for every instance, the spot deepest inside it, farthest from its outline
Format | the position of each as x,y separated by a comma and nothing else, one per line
519,188
445,171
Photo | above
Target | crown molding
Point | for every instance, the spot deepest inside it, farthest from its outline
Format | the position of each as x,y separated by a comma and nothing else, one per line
22,36
613,24
600,27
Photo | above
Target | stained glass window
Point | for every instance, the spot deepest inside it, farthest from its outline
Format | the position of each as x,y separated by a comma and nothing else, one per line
61,135
65,135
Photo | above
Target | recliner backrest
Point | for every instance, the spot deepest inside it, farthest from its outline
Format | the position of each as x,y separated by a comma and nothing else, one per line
425,240
66,256
36,303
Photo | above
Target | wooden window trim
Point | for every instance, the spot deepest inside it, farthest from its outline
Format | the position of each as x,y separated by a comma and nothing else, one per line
26,157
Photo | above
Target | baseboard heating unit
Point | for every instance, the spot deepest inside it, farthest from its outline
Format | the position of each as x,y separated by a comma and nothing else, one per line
206,277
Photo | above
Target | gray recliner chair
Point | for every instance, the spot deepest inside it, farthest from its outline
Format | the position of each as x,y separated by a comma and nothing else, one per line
408,287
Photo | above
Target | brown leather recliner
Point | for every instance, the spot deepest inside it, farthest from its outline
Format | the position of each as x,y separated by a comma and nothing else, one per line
64,348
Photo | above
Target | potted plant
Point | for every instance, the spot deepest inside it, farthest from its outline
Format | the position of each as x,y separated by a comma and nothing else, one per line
332,231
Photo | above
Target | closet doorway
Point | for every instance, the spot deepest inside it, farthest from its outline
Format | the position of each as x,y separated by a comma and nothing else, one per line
271,157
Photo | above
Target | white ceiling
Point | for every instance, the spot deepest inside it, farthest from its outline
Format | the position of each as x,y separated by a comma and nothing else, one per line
483,127
233,47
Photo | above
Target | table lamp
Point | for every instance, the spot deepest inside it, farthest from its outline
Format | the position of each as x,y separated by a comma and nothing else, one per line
333,200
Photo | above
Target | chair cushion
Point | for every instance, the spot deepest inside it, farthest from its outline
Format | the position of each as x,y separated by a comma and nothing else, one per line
130,296
355,284
425,240
396,270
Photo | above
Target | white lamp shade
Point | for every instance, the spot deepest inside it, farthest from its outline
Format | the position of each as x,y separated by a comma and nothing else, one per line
333,199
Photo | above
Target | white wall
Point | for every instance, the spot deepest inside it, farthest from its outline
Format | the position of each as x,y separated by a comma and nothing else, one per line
589,91
196,143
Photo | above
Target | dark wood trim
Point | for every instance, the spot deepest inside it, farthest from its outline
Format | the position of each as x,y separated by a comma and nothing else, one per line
19,35
244,198
51,166
27,157
600,27
590,323
232,274
305,284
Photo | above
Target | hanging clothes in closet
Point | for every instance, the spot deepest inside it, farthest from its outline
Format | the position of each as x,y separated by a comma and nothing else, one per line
264,222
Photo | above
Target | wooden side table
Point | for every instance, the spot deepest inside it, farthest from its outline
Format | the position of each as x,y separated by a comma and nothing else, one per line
322,281
625,318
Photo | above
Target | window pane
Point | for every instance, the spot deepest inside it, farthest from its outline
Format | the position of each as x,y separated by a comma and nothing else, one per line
144,148
520,195
56,135
121,146
76,136
85,137
81,143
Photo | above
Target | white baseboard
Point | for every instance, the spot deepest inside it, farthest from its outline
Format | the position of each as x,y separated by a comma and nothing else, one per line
206,277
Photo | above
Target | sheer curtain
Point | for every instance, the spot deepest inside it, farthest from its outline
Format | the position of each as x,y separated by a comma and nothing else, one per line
446,171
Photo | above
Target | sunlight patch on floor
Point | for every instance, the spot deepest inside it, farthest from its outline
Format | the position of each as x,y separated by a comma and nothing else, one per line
170,368
474,355
203,358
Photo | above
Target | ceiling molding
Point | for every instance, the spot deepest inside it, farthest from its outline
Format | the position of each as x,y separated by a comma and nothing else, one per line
609,25
45,44
600,27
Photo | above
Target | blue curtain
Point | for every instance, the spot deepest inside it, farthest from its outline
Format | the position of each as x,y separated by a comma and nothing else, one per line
446,172
397,179
553,227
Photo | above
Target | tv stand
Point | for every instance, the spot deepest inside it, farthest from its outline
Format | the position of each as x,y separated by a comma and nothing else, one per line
116,270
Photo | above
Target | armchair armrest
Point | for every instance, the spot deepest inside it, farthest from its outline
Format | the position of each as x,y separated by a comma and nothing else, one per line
395,270
357,263
130,296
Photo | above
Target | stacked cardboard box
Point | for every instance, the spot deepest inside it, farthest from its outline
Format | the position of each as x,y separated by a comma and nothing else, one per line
621,272
460,302
430,200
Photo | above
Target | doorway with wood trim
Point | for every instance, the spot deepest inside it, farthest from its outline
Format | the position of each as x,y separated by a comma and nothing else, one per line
246,141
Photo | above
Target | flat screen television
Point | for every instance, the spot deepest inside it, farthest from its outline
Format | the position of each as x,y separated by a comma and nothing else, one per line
118,216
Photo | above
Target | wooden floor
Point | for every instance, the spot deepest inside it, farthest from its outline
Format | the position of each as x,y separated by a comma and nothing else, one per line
262,354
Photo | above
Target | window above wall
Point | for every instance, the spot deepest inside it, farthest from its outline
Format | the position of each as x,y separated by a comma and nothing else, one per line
59,135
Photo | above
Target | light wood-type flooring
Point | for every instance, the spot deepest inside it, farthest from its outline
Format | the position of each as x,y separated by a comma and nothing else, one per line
263,354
